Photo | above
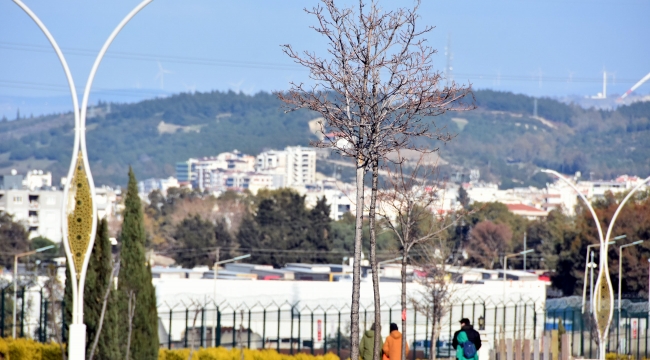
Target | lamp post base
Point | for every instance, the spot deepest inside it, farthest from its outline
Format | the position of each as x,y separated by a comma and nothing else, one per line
77,342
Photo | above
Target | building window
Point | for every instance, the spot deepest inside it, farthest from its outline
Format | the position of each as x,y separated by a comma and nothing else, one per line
18,199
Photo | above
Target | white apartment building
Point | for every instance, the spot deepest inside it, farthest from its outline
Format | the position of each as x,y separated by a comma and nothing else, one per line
39,210
301,165
149,185
37,179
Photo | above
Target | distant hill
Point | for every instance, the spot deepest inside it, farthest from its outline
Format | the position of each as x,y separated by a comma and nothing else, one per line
501,137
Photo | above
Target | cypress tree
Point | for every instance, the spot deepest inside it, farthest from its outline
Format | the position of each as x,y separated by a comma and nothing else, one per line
135,278
98,277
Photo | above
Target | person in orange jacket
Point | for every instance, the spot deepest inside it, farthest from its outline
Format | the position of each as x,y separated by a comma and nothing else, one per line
393,345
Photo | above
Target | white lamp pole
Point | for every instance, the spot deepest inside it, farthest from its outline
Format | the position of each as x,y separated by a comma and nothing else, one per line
79,222
584,287
620,284
505,268
603,308
214,289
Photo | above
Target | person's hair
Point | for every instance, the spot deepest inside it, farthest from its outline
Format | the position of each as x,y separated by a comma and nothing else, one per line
372,327
393,327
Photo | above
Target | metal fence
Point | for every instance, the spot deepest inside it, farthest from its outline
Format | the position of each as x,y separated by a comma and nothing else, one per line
293,328
36,317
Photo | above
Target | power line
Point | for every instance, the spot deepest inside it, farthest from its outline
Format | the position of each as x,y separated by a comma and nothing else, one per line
149,57
274,66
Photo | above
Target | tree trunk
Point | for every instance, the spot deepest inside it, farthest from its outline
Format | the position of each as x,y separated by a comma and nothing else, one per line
434,338
101,316
356,268
403,301
373,259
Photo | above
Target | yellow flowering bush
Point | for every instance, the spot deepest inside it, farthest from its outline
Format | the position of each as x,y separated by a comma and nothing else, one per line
27,349
234,354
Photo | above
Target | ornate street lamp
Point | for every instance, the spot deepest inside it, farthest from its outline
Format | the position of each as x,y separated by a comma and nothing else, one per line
79,222
603,302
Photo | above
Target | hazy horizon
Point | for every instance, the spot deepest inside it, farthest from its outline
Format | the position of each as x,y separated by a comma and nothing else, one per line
538,48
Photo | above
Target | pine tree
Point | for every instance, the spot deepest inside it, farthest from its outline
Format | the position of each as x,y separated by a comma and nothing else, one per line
135,278
194,233
98,277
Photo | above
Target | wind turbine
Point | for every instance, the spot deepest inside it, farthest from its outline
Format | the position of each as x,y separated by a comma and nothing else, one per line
161,75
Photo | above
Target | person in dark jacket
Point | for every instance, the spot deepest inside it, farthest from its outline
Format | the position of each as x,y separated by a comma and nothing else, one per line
472,335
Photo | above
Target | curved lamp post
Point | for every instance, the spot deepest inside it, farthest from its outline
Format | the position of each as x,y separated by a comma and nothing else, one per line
79,222
603,303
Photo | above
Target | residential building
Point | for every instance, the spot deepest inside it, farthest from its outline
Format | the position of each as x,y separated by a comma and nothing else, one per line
186,170
37,179
529,212
39,210
149,185
300,165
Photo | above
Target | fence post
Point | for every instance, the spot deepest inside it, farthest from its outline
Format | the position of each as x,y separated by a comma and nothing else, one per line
547,347
514,328
325,332
234,328
517,349
312,332
554,345
566,346
22,312
249,329
45,322
264,328
218,331
291,332
338,337
40,317
426,336
527,349
509,349
169,333
415,324
202,329
299,325
535,324
536,350
278,346
187,329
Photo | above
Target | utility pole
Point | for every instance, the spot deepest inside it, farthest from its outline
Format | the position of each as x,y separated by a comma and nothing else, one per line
524,252
214,294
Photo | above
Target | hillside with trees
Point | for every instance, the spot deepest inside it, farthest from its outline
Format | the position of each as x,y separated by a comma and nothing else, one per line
501,137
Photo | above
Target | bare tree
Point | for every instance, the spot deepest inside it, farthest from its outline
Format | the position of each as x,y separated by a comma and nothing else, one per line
409,208
434,300
376,89
55,289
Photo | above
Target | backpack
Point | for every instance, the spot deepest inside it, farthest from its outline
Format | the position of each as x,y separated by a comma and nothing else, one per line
469,350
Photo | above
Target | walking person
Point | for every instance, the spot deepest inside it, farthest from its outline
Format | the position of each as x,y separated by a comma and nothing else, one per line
367,344
393,346
467,341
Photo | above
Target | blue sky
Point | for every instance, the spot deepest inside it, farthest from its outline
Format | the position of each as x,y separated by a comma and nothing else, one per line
219,45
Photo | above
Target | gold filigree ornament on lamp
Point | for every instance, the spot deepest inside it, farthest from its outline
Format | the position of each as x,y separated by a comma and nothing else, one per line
80,215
